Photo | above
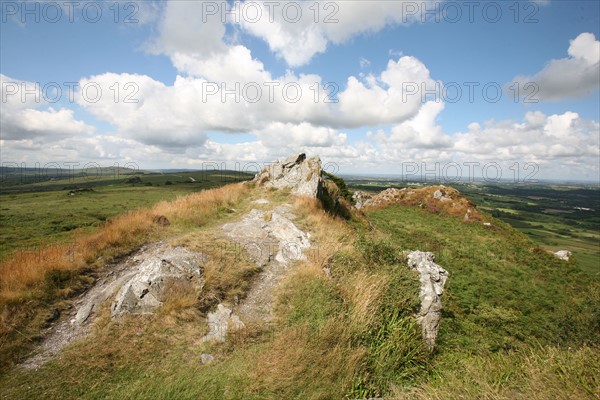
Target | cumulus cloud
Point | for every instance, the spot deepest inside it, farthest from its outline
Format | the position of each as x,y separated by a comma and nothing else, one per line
575,76
185,28
298,136
297,31
222,96
559,145
388,98
26,114
539,138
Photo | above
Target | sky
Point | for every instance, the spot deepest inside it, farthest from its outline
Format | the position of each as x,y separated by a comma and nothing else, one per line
507,89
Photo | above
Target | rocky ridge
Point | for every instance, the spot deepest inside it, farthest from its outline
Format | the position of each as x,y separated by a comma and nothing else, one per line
436,199
141,283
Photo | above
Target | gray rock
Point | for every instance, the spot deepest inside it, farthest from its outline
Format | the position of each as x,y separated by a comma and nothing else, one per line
432,278
564,255
273,241
261,201
361,198
300,174
220,322
145,290
206,358
153,267
269,235
440,194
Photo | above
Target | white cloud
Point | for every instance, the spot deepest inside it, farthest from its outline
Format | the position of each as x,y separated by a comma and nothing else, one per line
387,98
185,28
26,114
298,136
300,30
539,138
575,76
561,145
234,93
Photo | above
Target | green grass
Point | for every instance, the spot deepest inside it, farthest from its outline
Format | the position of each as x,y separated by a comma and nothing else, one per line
507,302
577,231
517,323
45,213
503,290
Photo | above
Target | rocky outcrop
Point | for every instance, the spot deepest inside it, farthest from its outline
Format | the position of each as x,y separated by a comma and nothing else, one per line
144,281
564,255
300,174
147,288
269,235
141,281
273,241
437,199
432,278
360,198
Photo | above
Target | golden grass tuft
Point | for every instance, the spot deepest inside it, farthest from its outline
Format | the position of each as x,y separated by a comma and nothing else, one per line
364,290
299,358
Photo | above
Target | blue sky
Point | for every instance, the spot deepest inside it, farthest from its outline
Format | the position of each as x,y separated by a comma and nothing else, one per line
373,55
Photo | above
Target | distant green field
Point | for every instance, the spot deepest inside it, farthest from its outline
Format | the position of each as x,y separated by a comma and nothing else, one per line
47,212
556,217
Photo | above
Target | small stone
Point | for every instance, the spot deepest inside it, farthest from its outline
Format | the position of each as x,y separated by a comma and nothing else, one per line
261,201
206,358
564,255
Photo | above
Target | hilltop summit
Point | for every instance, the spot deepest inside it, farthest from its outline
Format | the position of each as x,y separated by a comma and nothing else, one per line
300,174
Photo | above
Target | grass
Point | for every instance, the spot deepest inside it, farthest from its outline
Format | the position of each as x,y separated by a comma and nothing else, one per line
31,281
317,349
538,373
517,322
522,206
40,214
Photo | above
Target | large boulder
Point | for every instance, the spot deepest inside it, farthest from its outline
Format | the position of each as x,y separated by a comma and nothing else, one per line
147,288
300,174
432,278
